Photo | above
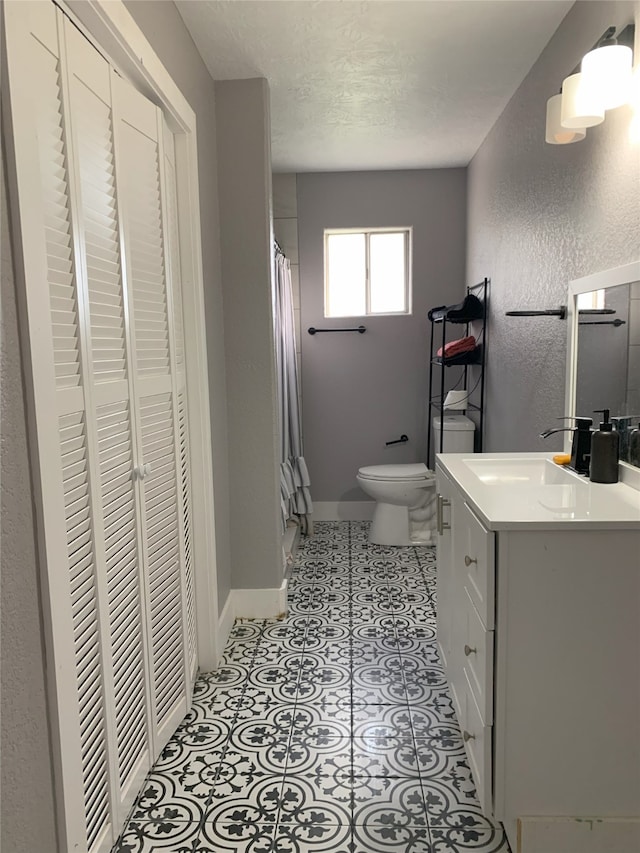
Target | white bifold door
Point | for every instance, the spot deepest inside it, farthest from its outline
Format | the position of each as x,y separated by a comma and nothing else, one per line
97,218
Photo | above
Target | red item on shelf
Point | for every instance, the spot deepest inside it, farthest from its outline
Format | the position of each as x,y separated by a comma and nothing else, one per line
458,347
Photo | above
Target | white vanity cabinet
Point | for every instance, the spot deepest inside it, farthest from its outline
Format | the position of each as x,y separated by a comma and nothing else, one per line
539,632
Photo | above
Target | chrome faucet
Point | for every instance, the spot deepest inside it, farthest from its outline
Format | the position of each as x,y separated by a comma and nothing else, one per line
580,443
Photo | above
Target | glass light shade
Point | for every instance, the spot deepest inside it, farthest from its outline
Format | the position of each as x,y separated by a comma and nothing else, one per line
607,74
556,134
580,107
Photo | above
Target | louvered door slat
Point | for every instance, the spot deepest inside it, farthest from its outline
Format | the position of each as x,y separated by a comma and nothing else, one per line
158,442
141,199
85,626
93,134
59,239
123,584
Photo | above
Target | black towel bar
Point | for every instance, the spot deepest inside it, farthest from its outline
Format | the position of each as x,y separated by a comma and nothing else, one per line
616,322
361,329
560,312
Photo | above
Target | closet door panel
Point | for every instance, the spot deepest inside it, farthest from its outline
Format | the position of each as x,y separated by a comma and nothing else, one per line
139,184
175,277
163,560
125,599
86,625
52,303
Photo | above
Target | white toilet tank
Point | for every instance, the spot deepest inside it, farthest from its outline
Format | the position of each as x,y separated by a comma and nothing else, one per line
458,434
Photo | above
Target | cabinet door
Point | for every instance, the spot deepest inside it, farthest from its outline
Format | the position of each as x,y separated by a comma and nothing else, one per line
477,737
477,563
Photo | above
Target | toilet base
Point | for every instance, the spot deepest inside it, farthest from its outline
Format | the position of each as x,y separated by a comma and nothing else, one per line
390,525
402,525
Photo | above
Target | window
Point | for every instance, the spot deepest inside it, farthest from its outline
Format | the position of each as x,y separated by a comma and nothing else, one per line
367,271
590,301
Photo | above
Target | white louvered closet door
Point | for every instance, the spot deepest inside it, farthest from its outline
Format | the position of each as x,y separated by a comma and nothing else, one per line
99,231
56,302
139,163
184,456
119,551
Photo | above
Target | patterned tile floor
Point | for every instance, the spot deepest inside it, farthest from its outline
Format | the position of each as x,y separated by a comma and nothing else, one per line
331,731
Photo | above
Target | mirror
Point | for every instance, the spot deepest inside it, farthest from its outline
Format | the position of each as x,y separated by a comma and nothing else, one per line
603,354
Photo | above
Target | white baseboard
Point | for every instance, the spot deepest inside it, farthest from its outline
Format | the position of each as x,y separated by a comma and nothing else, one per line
343,510
587,835
225,623
260,603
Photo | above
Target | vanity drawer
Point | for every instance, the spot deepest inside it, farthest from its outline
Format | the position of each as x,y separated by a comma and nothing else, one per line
478,659
477,742
478,563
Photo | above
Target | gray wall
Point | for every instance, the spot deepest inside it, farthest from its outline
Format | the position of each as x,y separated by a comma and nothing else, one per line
167,34
244,180
360,391
539,216
27,815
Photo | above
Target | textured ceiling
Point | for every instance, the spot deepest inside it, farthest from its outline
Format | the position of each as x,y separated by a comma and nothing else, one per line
376,85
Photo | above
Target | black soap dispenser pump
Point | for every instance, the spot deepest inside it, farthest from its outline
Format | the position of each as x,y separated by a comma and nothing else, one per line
604,452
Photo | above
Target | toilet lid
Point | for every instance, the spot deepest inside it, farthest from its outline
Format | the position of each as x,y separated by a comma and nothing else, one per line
413,471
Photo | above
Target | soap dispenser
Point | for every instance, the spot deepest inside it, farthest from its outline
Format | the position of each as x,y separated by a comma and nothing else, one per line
604,452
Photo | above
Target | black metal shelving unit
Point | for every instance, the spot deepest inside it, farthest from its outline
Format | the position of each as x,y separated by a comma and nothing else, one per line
475,358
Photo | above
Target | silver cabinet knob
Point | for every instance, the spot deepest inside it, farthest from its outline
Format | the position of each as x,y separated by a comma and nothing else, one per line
469,651
468,560
141,471
468,736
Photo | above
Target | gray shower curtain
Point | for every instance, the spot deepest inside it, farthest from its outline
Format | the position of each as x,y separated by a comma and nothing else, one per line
295,497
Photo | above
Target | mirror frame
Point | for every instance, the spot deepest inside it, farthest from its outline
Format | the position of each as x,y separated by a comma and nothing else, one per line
613,277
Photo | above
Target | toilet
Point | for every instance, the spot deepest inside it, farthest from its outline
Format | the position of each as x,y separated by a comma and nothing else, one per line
405,495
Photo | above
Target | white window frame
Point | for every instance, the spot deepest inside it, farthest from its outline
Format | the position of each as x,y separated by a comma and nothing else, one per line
408,232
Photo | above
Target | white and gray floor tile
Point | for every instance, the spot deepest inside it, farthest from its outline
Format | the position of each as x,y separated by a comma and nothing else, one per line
330,731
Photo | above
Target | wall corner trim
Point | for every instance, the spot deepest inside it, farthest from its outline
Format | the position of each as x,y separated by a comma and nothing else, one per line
225,624
260,603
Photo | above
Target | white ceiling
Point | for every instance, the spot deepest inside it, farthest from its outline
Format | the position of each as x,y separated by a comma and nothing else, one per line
388,84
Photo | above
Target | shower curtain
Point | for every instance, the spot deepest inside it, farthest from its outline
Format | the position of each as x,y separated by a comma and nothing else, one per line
295,497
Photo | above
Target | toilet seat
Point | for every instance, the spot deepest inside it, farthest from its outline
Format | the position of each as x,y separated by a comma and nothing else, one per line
409,472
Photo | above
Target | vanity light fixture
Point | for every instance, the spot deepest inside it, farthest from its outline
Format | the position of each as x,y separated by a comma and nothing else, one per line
602,82
607,72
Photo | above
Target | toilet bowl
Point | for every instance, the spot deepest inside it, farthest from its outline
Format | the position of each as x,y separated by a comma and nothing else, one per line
405,503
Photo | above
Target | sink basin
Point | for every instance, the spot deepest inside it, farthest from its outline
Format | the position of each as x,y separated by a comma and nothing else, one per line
520,472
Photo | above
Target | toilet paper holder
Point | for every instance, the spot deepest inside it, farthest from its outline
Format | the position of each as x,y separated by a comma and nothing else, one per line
403,438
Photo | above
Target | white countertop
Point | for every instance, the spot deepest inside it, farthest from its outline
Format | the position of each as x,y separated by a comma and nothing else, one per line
574,503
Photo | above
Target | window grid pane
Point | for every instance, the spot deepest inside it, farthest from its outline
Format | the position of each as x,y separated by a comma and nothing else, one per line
387,273
346,282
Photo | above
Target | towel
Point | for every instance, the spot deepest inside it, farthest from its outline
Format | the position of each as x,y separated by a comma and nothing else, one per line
458,347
